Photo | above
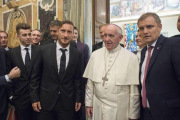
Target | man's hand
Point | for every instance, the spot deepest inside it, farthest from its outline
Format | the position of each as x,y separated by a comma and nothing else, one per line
77,106
14,73
89,111
36,106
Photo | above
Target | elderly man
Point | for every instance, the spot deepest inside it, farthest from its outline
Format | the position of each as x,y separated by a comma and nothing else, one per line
112,88
160,71
4,40
36,37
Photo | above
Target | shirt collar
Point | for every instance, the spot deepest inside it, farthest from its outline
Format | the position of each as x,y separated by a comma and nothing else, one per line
59,46
22,47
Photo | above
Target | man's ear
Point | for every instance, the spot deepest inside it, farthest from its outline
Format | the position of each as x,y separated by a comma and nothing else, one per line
120,38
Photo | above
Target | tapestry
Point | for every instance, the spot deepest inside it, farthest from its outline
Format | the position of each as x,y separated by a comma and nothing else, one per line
130,36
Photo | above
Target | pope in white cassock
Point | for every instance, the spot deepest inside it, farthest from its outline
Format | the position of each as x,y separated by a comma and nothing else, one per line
112,88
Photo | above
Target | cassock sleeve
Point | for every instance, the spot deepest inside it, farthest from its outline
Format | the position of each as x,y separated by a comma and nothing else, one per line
89,93
134,107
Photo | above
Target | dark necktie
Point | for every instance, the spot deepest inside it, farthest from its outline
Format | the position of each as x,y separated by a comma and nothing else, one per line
62,63
27,61
144,98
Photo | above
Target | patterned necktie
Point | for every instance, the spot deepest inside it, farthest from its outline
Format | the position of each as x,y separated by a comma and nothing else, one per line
27,60
144,98
62,63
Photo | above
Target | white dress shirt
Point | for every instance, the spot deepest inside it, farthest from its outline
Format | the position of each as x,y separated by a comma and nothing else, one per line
23,52
143,66
59,54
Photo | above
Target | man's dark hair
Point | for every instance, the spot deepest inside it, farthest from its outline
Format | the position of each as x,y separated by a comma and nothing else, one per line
24,26
66,22
154,15
55,23
4,32
102,26
75,28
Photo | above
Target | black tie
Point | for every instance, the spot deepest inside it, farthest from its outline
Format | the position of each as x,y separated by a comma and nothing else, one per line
62,63
27,61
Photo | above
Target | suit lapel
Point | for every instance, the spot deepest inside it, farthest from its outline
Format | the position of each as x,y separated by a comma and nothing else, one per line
53,56
19,56
155,51
33,55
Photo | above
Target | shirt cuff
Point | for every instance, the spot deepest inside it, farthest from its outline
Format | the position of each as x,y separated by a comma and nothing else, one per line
7,78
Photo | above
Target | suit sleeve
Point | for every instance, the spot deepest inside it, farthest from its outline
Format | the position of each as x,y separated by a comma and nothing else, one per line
35,79
3,80
78,81
8,69
176,57
86,59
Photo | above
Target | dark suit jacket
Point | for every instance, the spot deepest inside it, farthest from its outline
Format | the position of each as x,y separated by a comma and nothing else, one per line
99,45
163,79
46,84
72,43
176,35
84,50
20,86
3,83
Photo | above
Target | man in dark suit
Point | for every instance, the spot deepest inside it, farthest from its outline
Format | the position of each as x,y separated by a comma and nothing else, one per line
178,27
84,50
54,27
36,37
56,78
101,44
22,56
4,40
4,79
159,71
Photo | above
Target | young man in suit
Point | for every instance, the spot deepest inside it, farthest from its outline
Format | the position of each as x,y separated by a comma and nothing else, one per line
159,71
4,40
22,56
4,79
54,27
84,50
56,78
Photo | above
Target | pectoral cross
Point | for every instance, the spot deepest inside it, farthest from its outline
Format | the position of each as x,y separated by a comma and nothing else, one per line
104,79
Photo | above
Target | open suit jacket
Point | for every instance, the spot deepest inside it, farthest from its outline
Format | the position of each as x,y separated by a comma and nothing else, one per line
46,83
72,43
3,82
163,79
99,45
20,86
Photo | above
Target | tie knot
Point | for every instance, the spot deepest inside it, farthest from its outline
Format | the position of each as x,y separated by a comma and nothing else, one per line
150,47
63,50
26,49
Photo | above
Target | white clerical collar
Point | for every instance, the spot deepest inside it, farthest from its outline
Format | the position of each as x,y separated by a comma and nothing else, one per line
115,49
22,47
59,46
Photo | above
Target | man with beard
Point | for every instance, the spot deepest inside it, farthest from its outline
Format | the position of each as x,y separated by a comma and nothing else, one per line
56,78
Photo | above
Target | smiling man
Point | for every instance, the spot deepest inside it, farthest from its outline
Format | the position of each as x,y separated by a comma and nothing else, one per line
112,88
160,73
4,40
22,56
36,37
56,78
